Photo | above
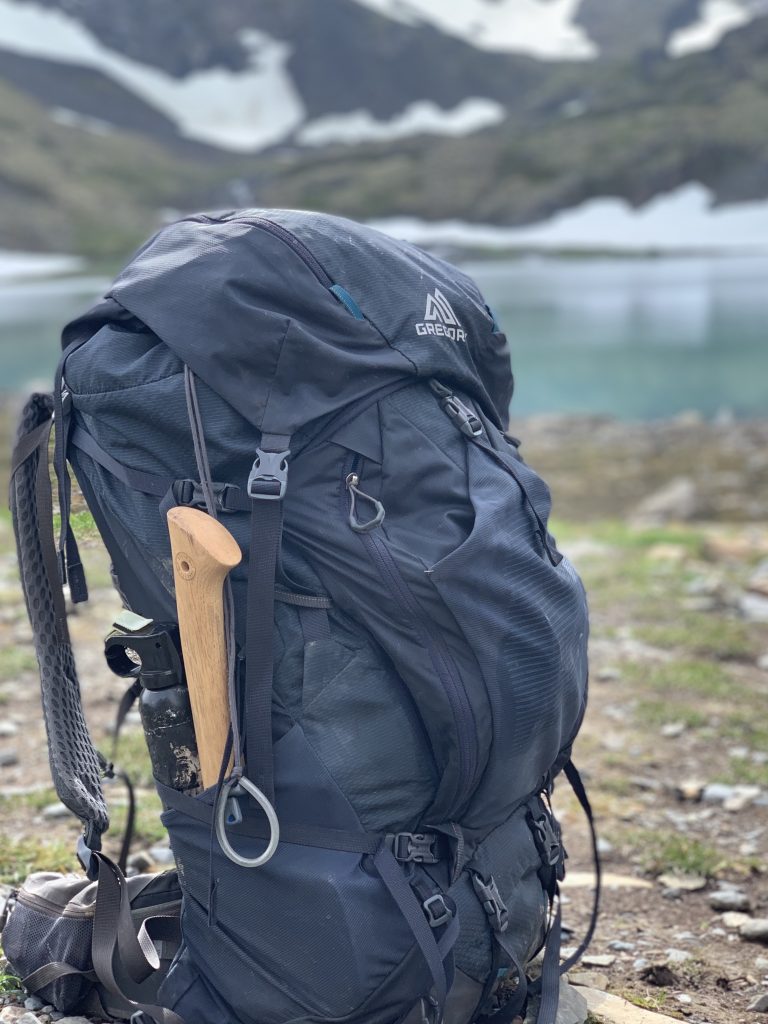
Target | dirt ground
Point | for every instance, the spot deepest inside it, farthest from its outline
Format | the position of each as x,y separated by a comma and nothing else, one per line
674,752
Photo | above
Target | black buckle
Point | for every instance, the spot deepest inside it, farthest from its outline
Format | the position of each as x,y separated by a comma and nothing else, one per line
547,839
268,478
414,847
467,422
190,493
437,910
490,897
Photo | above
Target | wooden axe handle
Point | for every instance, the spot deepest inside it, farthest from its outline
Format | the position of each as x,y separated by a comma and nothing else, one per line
204,551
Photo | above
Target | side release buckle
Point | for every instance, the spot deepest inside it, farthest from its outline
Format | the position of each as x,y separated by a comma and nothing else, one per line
414,847
490,897
268,478
437,910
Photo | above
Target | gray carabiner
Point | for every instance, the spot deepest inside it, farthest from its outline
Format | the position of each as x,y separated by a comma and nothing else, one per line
221,823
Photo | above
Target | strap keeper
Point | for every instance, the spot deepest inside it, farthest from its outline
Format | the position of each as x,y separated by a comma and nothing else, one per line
414,847
437,910
268,478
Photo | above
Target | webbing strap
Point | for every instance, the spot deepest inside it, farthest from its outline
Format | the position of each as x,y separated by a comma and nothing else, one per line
148,483
72,568
51,972
266,492
114,936
435,952
577,785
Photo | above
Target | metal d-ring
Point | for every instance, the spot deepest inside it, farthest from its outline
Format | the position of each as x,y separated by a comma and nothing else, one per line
221,823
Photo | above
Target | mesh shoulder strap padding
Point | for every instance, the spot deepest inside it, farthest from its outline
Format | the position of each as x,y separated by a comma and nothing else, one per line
73,759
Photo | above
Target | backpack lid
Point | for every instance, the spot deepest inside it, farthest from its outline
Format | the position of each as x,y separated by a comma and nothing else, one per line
290,315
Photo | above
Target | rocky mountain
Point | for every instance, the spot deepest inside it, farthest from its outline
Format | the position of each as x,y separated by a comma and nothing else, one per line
495,111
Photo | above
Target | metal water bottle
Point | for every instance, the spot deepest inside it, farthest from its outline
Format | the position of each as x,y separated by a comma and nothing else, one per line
150,653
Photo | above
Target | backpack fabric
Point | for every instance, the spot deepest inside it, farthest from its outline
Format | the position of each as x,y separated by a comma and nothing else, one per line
411,663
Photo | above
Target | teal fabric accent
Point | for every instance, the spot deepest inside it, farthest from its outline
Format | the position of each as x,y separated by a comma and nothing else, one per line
346,300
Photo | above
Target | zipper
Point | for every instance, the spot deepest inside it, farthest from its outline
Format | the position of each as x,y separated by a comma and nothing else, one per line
431,639
52,909
294,243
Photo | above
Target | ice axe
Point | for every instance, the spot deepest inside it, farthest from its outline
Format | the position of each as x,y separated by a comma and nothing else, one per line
204,552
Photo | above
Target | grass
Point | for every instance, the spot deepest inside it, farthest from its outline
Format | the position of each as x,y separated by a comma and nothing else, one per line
669,852
653,1001
15,661
8,982
133,757
20,857
656,713
699,633
685,678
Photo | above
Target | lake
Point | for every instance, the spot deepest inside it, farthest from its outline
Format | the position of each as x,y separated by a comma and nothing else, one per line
632,338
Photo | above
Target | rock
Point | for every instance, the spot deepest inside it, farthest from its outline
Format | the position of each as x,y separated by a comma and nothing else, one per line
28,1018
8,729
74,1020
677,956
54,812
672,730
161,854
604,1006
640,964
573,1007
677,500
684,999
589,979
762,662
754,607
729,899
741,797
608,674
733,919
754,929
141,861
33,1003
759,1004
598,960
12,1014
621,947
690,790
604,847
672,554
685,883
758,581
8,758
585,879
761,963
717,792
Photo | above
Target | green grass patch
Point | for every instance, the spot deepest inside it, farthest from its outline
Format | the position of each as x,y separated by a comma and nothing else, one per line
684,678
148,829
20,857
620,534
15,661
8,982
133,757
647,1000
702,634
656,713
661,852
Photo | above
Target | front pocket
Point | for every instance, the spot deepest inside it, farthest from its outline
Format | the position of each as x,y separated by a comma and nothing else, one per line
313,932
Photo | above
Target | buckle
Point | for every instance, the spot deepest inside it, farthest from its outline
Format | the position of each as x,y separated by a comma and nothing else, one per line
413,847
547,839
490,897
437,910
190,493
467,422
268,478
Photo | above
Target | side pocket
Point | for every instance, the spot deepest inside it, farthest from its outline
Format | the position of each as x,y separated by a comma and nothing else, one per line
508,860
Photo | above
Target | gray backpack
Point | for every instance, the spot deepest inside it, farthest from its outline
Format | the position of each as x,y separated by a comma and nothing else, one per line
408,664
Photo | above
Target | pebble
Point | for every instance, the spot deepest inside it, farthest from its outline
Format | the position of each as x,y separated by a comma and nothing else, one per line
677,956
598,960
729,899
141,861
754,929
761,963
161,854
8,758
604,847
741,798
33,1003
690,789
588,979
641,963
672,730
716,792
734,919
762,662
683,998
759,1004
754,607
608,674
621,947
686,883
53,812
8,729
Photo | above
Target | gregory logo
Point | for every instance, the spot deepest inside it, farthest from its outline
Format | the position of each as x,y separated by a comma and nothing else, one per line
440,320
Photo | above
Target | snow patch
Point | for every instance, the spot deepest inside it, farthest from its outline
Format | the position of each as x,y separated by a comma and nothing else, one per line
540,28
716,19
422,117
681,220
71,119
15,266
233,110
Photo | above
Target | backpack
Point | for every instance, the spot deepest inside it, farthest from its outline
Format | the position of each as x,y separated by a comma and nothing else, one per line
408,667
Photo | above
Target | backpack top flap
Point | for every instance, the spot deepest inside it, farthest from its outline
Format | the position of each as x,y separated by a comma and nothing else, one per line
290,315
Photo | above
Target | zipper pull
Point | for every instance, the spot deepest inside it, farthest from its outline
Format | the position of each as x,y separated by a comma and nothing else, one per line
355,495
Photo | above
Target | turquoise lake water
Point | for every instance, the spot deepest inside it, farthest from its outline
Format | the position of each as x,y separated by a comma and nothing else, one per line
633,338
